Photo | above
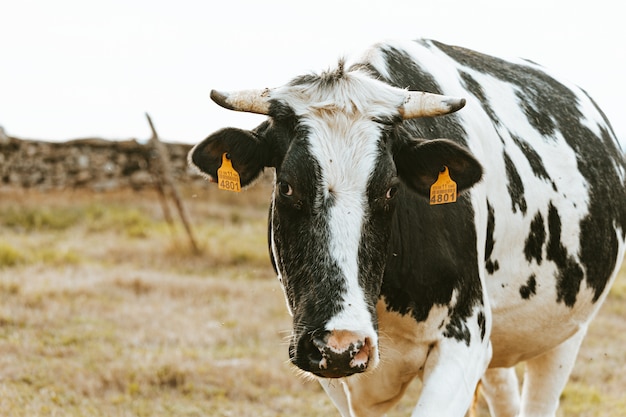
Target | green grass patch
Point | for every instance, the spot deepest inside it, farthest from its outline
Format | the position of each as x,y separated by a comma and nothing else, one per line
52,256
31,219
10,256
132,221
237,244
578,399
18,255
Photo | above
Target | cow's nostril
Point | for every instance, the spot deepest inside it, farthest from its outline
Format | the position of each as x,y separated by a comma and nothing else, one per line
362,355
315,354
319,343
311,350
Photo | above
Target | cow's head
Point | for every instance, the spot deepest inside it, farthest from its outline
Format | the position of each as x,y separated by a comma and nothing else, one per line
339,160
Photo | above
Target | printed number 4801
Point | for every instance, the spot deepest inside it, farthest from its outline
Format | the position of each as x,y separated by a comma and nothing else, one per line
442,198
229,185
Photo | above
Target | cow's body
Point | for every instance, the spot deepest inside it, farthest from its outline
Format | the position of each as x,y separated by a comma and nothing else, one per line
513,271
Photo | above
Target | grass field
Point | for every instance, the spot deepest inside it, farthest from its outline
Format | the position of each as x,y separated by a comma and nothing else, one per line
106,311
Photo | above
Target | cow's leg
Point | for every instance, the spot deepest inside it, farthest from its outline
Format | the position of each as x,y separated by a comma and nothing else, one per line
451,373
546,375
501,391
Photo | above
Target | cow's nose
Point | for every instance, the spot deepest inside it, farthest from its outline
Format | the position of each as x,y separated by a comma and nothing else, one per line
338,353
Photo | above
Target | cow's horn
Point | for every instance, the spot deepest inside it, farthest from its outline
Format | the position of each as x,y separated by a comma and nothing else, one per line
420,104
253,101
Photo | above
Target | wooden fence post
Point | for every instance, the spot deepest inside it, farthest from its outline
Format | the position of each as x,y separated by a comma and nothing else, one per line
165,181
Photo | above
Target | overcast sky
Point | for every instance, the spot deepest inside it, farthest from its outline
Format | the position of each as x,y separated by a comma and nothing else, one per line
79,68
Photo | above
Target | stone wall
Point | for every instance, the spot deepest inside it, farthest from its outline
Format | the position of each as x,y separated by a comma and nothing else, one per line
96,164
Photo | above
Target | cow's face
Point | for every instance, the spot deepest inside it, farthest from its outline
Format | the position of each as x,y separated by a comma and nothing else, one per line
339,163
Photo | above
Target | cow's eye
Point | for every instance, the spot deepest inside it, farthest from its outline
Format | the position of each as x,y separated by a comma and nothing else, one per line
391,192
285,189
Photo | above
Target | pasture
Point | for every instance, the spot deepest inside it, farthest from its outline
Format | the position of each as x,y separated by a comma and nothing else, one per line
106,311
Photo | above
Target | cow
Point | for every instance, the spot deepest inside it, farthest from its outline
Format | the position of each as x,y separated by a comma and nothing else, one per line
437,213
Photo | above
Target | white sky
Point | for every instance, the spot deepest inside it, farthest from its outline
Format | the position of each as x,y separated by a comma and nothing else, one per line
80,68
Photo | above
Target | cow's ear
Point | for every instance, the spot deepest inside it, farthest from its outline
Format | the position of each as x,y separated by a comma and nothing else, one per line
419,163
248,154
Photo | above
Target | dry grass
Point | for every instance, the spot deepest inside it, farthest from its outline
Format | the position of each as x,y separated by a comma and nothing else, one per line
105,311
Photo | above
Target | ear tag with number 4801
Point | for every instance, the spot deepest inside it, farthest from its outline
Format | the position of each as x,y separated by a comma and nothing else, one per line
444,189
227,177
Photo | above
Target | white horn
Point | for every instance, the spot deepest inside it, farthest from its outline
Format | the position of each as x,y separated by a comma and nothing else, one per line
252,101
420,104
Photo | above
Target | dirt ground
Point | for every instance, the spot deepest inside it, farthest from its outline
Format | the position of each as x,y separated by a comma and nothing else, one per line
106,311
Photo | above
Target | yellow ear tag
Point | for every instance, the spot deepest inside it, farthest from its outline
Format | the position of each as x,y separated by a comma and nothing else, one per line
444,189
227,177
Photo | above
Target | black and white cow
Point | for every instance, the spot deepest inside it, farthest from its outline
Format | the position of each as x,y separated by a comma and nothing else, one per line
383,284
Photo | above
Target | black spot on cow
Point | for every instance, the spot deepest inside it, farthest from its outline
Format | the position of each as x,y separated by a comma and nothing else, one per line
570,273
530,289
534,160
515,185
405,71
538,119
482,324
533,248
457,329
476,89
599,237
490,264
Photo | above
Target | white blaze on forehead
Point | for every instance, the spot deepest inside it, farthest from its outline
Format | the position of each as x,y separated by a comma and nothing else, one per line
346,149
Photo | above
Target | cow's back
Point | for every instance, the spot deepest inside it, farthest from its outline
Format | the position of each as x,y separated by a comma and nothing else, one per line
550,213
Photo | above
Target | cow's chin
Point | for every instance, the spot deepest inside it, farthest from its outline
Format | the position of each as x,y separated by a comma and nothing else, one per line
335,375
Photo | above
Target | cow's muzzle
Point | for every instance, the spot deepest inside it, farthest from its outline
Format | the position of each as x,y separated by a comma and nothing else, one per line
333,354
